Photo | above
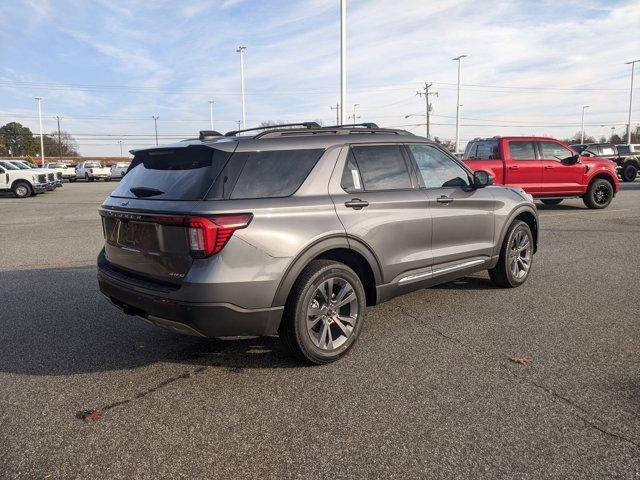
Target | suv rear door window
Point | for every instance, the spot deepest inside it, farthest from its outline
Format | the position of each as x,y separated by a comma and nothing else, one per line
382,167
184,173
276,173
522,150
438,169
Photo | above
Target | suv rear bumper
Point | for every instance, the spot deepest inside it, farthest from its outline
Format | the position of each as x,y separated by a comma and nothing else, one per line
201,319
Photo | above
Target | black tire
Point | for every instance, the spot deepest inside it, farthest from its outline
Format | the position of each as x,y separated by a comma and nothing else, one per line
629,172
22,189
88,178
72,179
552,201
502,274
599,194
107,179
293,330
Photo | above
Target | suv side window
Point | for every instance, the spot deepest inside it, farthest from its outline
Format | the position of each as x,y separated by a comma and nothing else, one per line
381,167
522,150
553,151
438,170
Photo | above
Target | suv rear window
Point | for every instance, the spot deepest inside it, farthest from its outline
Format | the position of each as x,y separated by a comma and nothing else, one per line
271,174
184,173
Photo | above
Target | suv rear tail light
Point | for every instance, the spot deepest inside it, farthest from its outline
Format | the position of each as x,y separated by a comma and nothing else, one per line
207,236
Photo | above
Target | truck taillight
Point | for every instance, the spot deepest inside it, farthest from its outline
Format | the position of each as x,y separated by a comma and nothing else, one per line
207,236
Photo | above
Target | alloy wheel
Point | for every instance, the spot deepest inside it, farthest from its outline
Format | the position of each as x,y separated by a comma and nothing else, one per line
332,314
601,194
520,255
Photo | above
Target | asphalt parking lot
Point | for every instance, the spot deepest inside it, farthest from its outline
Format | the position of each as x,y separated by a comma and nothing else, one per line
429,391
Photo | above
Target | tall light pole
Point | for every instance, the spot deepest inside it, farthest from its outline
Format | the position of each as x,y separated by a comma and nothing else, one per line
584,107
633,68
211,113
241,50
155,121
120,142
343,62
39,100
58,117
459,60
354,113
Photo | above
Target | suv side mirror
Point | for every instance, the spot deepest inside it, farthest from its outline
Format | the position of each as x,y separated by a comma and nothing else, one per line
571,160
482,178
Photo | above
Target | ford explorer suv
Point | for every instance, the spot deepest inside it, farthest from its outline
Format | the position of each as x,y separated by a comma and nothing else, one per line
545,168
23,183
297,229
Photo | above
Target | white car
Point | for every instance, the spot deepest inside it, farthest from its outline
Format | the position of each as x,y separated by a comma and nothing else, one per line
54,179
65,169
92,170
118,170
23,183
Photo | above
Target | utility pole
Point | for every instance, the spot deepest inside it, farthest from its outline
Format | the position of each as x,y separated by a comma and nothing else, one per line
459,60
343,62
155,121
238,124
354,116
58,117
633,68
426,94
584,107
337,109
120,142
39,100
211,113
241,50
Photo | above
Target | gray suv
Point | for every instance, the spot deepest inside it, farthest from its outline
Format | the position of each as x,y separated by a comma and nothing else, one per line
297,229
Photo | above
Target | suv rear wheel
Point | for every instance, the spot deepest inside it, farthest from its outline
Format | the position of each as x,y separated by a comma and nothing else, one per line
324,314
516,256
599,194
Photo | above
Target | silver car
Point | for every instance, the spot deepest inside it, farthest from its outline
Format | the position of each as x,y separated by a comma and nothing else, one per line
296,229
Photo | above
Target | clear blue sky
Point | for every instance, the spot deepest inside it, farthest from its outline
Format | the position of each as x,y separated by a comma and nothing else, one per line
108,66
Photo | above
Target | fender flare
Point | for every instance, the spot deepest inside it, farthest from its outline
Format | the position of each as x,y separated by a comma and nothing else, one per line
312,251
512,217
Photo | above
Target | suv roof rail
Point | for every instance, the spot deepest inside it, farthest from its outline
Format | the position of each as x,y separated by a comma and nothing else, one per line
204,134
309,125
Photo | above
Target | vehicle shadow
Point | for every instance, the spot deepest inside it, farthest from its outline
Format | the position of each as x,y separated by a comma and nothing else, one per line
467,283
55,322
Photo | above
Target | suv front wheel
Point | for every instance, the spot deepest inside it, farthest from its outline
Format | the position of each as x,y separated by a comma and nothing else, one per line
516,256
324,314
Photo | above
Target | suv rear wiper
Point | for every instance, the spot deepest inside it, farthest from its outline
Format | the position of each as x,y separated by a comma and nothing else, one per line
145,191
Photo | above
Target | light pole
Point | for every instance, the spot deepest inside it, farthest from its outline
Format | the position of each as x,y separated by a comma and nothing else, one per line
211,113
458,59
239,124
584,107
58,117
39,100
120,142
155,121
633,68
343,62
241,50
354,113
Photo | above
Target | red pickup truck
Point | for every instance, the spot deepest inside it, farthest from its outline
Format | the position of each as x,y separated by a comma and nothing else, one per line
545,168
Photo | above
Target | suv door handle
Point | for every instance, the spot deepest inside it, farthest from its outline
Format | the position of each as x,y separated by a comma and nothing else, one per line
514,167
356,204
549,167
444,199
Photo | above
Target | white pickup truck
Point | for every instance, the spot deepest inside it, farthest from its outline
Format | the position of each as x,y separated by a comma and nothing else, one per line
118,170
91,170
23,183
65,169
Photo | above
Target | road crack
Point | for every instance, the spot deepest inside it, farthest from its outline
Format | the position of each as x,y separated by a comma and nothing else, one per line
560,399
